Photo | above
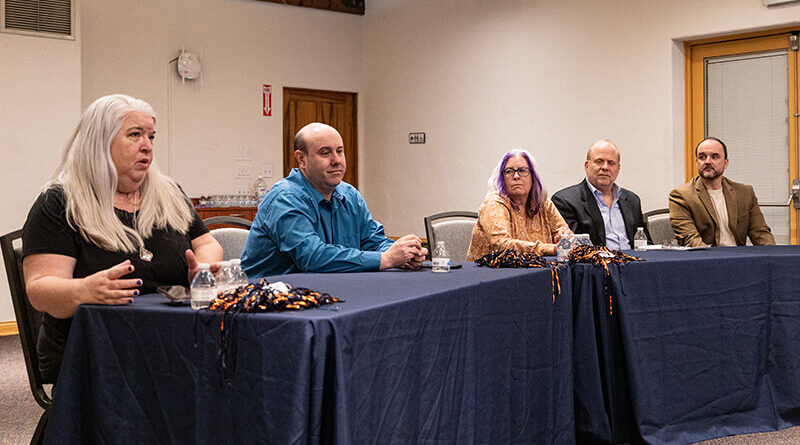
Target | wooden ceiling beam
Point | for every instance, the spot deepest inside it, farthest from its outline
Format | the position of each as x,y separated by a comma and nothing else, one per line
348,6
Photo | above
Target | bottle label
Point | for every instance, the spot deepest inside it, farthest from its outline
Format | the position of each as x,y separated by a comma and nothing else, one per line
440,264
563,249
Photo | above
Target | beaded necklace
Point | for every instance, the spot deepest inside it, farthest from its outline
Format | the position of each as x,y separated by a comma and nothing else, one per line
513,259
262,296
602,256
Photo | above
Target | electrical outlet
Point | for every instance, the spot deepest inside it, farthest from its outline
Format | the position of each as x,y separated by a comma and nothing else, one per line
266,171
416,138
244,186
243,172
243,154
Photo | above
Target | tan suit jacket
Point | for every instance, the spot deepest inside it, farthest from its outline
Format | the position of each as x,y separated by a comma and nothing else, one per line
694,219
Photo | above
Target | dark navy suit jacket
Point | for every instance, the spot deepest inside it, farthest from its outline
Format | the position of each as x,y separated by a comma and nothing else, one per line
579,208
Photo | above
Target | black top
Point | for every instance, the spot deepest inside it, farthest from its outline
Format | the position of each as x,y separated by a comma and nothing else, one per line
578,207
46,231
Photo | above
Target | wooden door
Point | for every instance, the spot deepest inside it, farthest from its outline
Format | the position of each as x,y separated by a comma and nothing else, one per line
743,89
303,106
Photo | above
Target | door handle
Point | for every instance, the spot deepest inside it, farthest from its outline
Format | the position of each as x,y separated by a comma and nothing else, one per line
794,197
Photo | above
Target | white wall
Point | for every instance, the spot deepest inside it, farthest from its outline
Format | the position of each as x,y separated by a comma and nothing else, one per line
480,77
242,44
40,103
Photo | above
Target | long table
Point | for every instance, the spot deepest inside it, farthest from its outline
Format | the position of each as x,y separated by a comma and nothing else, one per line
701,344
692,345
473,356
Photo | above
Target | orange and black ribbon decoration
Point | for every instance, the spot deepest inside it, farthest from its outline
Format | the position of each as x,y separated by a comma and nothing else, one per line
511,258
602,256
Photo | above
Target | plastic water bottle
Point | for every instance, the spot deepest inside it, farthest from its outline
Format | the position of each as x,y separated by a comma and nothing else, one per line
581,239
239,277
640,239
224,277
261,188
563,248
440,260
204,287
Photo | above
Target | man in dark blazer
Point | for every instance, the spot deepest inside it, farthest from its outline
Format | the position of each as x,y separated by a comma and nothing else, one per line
713,210
598,206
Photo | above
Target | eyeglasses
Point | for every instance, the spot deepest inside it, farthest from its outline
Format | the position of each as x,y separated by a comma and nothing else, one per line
522,171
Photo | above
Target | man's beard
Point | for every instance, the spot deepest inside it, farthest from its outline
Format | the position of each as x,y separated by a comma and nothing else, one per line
710,174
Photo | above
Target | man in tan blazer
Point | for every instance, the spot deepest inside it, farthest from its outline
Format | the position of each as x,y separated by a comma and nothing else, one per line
712,209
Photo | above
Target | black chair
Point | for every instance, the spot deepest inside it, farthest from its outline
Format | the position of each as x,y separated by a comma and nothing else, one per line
28,322
455,229
659,225
228,221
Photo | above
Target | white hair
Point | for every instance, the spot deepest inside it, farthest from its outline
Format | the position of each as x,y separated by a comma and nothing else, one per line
88,177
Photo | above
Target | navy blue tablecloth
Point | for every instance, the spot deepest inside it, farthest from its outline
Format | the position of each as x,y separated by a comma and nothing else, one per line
694,345
602,401
702,344
473,356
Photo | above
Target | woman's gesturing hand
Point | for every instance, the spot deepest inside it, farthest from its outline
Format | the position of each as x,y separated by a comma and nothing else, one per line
108,287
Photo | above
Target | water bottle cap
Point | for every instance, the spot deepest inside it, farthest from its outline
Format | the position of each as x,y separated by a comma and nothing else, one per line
225,264
236,262
440,243
204,266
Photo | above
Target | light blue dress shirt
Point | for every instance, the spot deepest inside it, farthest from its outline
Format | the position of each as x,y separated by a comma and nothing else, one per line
297,230
616,237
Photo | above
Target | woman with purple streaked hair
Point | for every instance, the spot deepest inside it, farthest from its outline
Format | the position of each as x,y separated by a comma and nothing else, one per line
516,213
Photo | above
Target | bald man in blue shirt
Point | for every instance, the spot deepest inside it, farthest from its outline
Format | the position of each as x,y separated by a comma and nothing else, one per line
311,221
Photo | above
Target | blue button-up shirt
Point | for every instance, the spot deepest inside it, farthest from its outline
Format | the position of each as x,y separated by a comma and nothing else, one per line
616,237
297,230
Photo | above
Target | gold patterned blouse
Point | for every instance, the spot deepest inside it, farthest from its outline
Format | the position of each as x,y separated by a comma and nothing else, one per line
501,227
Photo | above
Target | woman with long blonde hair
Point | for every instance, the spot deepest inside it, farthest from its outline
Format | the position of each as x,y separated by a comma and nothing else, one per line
108,226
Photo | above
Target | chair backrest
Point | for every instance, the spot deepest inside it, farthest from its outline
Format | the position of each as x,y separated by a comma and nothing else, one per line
659,225
227,221
28,318
232,241
454,228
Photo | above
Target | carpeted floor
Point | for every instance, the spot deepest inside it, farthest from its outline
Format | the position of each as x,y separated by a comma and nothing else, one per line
19,412
789,436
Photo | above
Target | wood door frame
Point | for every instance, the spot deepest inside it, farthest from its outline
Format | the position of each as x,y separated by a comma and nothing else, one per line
288,134
762,41
695,122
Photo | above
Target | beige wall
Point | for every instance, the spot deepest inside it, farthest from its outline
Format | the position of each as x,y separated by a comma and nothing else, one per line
477,76
40,102
242,44
481,77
